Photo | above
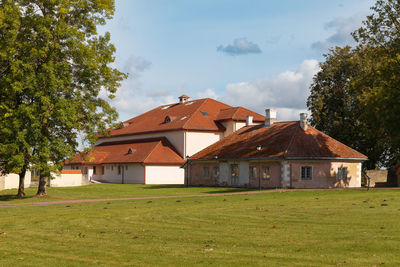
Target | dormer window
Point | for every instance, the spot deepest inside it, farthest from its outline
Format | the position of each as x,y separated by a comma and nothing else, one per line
167,119
130,151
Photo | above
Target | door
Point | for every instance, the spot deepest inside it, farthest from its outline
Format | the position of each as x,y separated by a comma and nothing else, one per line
234,174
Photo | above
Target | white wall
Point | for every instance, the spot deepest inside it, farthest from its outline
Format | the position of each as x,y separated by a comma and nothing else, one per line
164,175
243,173
224,172
196,141
67,179
11,180
133,173
177,139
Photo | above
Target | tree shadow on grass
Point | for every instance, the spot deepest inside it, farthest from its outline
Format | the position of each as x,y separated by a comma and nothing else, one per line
164,186
222,190
10,197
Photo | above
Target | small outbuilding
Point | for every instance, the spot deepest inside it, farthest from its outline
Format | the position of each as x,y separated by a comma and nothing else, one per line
275,155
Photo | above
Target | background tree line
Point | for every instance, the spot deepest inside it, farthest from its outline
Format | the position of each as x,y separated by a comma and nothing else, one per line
355,97
53,65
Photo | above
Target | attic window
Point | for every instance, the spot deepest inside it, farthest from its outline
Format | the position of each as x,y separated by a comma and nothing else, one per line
189,103
165,107
185,117
167,119
204,113
130,151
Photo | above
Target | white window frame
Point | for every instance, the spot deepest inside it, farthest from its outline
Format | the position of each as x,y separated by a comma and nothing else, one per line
308,178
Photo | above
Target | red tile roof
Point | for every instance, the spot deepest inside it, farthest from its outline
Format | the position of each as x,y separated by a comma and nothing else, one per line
70,171
281,140
147,151
238,114
196,115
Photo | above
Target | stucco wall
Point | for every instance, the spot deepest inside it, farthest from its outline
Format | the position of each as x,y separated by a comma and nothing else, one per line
130,174
177,139
11,180
229,127
196,141
164,175
275,171
323,174
67,179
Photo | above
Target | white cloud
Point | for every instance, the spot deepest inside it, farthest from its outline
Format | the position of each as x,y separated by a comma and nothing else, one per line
287,91
240,46
343,27
208,93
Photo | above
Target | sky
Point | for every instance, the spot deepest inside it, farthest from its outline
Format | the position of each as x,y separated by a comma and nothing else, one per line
255,54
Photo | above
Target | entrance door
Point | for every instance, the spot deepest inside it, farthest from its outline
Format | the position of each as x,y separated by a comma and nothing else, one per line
234,174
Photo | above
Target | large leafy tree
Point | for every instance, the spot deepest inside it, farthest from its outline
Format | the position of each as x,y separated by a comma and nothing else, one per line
56,61
355,97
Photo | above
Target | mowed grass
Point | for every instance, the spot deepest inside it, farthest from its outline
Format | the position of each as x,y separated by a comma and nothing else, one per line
303,228
105,190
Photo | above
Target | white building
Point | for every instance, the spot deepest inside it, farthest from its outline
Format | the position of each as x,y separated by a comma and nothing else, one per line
150,148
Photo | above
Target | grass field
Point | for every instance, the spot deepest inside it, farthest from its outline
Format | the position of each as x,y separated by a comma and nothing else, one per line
303,228
108,191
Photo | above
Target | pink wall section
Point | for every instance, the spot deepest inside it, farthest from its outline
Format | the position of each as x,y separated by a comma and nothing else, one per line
274,181
323,174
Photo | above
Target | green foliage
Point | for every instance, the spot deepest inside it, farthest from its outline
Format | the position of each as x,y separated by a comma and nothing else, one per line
53,65
355,97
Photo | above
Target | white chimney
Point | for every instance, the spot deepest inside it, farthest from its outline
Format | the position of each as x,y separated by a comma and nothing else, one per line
270,116
303,121
249,120
183,98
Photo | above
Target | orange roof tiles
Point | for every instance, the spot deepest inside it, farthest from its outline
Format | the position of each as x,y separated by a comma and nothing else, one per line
238,114
281,140
196,115
148,151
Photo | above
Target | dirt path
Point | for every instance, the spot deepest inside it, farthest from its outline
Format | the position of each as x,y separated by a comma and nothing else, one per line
134,198
176,196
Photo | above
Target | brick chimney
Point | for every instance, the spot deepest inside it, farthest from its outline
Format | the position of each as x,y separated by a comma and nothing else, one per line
249,120
270,116
303,121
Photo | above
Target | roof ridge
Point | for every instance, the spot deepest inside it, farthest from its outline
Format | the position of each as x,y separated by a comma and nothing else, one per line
191,116
290,143
234,113
151,151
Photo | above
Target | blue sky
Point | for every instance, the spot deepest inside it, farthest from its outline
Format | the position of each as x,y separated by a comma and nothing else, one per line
256,54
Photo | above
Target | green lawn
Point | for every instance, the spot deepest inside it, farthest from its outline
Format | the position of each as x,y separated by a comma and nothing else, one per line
303,228
108,191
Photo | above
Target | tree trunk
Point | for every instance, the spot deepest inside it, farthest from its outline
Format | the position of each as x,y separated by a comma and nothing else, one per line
42,186
21,187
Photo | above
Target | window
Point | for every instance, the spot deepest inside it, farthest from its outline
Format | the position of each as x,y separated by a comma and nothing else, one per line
126,167
119,170
102,170
112,168
216,172
206,172
306,173
167,119
85,171
94,169
341,173
252,172
266,175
